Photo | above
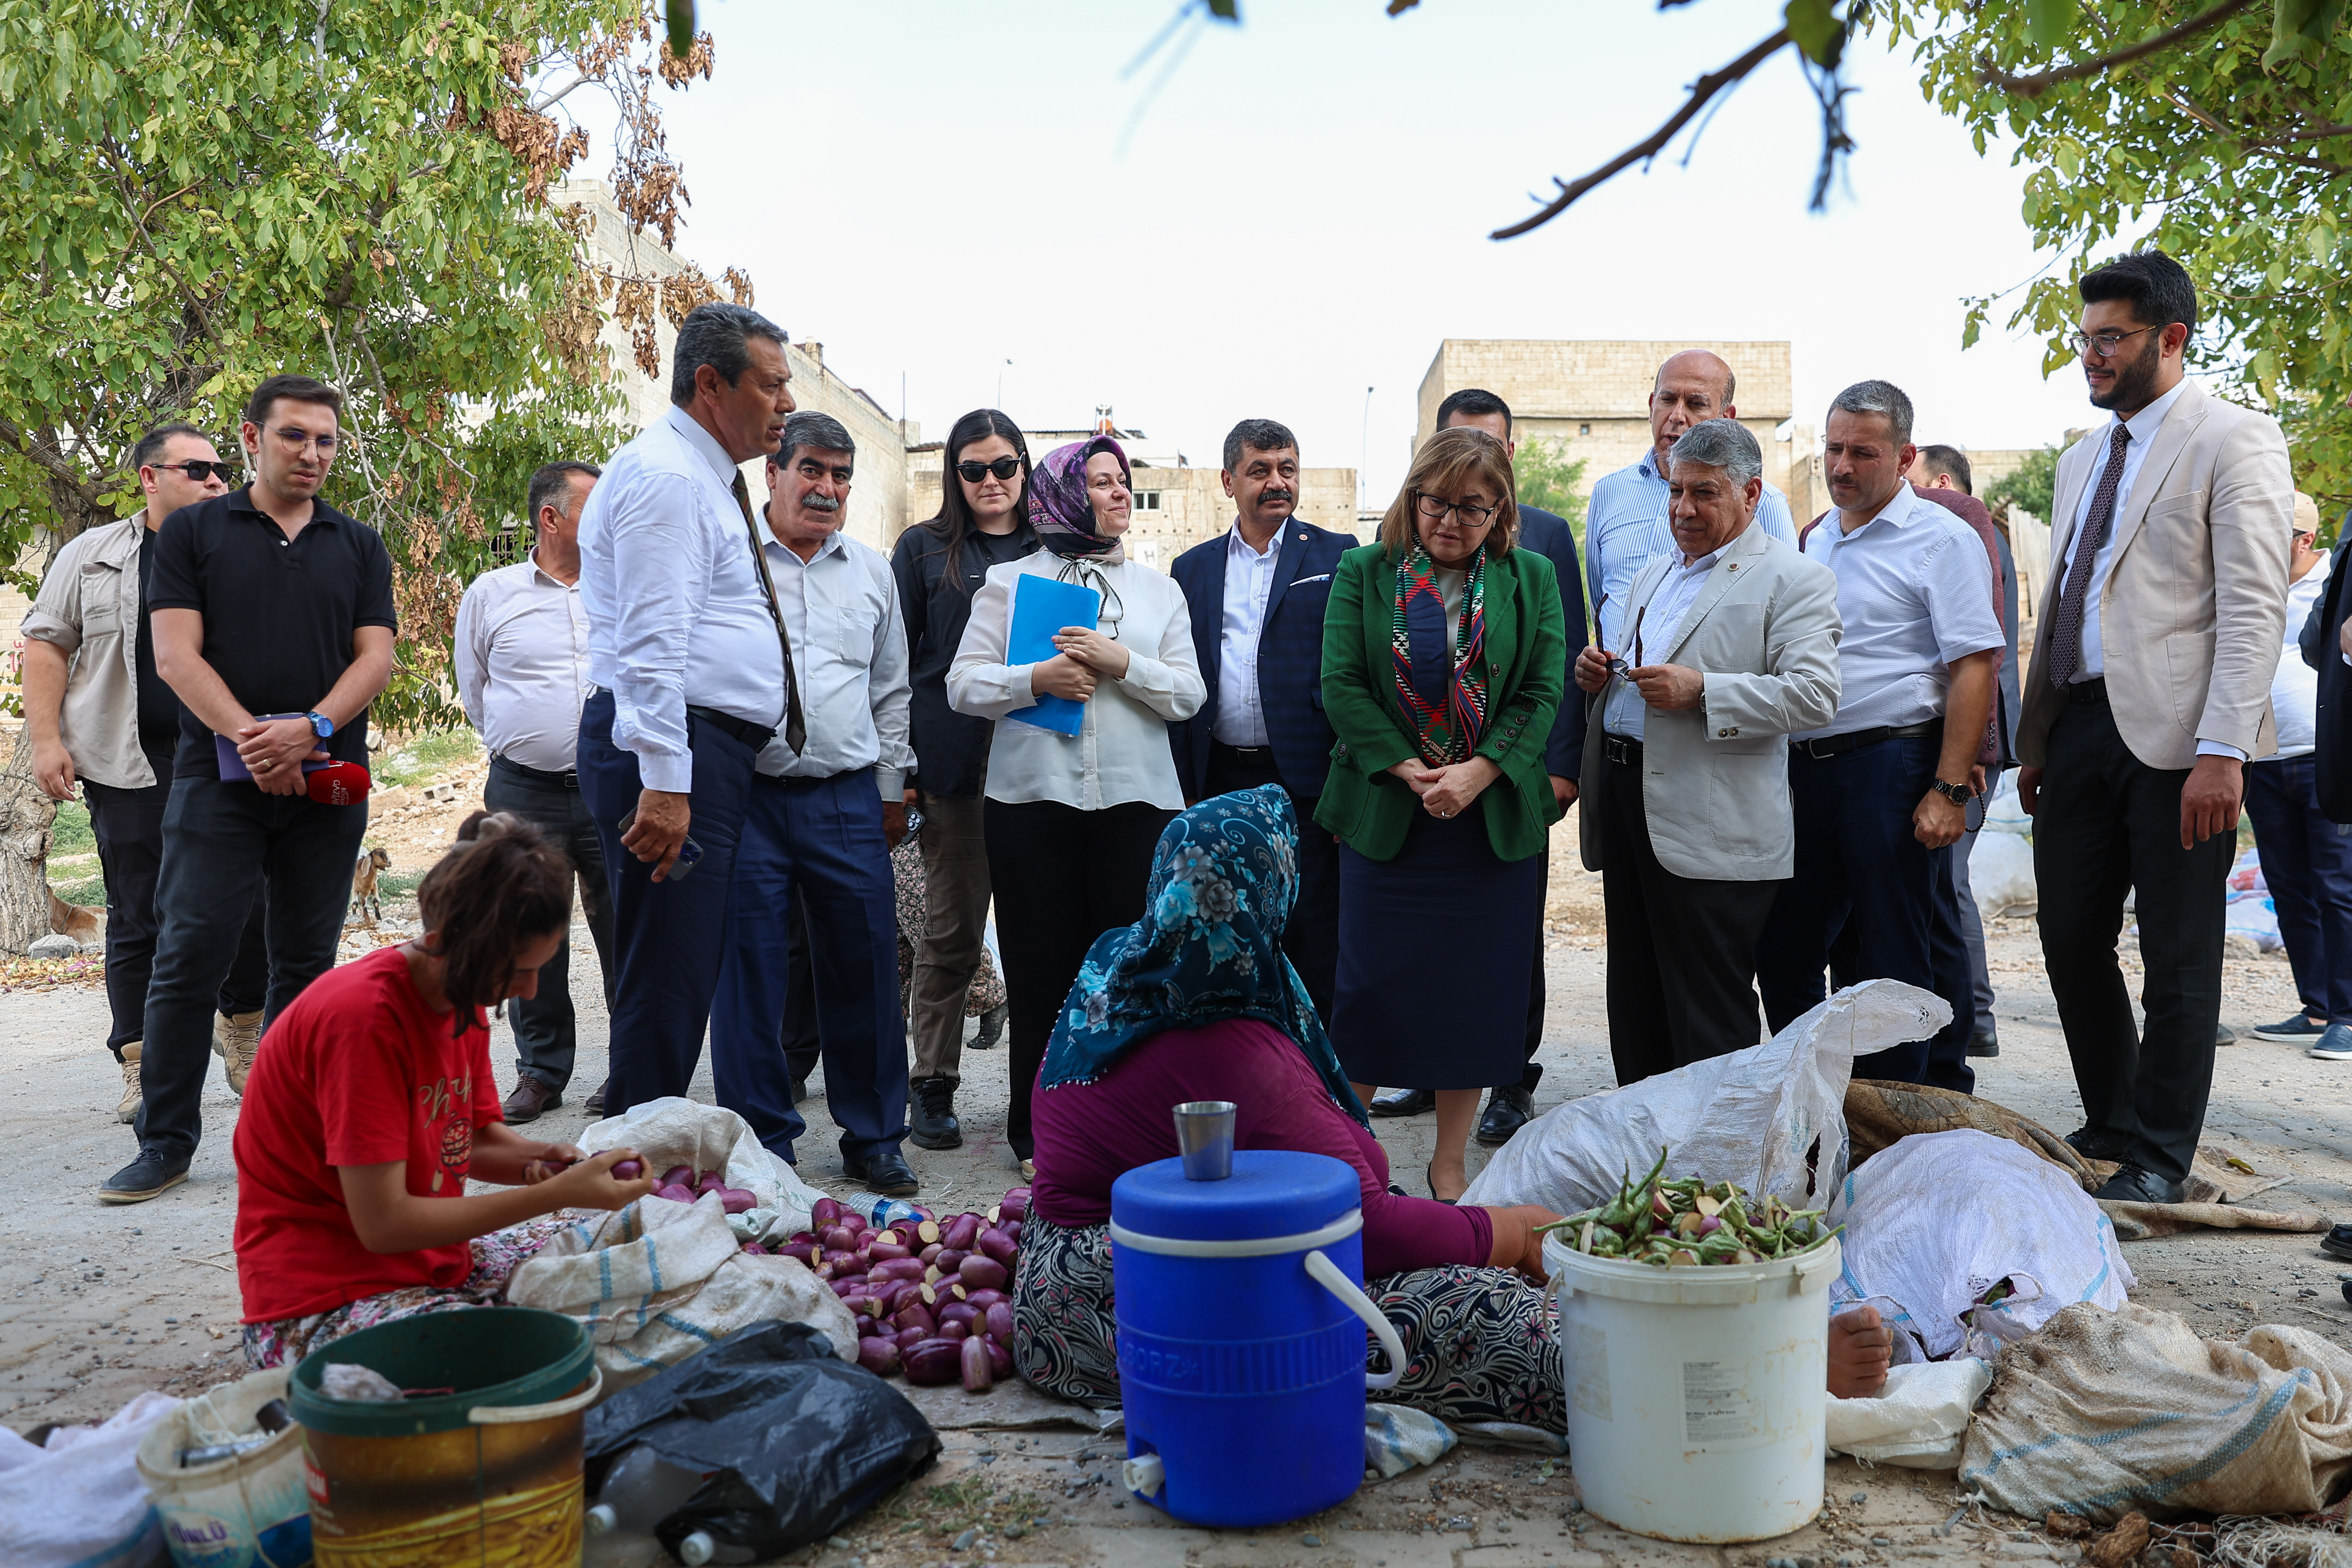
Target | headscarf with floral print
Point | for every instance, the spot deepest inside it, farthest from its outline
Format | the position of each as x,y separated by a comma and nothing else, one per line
1061,508
1208,948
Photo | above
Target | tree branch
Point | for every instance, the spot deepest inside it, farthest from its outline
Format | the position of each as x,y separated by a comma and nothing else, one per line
2035,85
1701,90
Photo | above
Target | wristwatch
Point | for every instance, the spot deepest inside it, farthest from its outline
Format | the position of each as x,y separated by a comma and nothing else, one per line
1957,793
321,724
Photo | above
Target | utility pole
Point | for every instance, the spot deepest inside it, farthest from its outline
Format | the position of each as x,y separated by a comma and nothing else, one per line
1364,453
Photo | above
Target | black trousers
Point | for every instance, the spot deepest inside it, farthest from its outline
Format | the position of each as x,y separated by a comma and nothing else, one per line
547,1030
2107,822
128,826
1063,877
1311,940
1681,950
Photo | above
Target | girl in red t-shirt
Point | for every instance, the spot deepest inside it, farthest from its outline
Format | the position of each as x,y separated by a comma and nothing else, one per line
371,1103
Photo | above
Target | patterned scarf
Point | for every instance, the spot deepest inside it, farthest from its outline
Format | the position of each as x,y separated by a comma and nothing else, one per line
1059,509
1444,698
1208,948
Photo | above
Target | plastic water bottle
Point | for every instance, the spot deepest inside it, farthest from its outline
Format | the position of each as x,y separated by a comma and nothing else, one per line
640,1490
882,1212
699,1549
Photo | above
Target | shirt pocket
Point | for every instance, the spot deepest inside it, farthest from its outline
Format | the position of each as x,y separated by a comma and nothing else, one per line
101,602
855,624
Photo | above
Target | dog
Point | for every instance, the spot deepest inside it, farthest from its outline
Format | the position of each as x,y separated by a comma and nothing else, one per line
83,924
373,864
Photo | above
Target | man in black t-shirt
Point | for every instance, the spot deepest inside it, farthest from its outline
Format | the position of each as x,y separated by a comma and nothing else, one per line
99,717
272,617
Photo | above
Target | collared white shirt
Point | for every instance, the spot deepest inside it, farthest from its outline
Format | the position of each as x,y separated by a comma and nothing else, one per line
1625,529
522,665
1249,579
676,615
1914,591
2294,690
1664,617
849,652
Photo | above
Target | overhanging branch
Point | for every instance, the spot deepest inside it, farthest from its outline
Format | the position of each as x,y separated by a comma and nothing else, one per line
2035,85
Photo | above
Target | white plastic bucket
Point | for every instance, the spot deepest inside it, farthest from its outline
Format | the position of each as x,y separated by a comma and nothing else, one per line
1696,1397
249,1510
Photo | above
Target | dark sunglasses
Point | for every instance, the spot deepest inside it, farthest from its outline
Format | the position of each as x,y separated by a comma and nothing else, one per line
198,469
1004,469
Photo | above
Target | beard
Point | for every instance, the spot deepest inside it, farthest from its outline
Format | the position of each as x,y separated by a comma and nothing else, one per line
2135,383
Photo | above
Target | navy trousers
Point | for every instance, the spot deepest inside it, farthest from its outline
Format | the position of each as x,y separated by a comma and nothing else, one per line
1858,865
666,934
817,843
2308,867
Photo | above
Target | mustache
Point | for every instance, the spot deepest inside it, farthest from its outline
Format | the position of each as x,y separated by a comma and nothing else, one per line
816,503
1276,494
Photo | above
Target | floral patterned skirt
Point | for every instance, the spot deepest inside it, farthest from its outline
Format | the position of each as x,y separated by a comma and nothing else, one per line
496,1258
1481,1344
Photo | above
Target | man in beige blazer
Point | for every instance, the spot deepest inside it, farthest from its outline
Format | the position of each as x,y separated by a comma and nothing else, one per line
2149,692
1733,647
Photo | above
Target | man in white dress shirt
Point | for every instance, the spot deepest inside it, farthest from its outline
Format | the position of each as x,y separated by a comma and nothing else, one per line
686,651
522,675
821,823
1881,792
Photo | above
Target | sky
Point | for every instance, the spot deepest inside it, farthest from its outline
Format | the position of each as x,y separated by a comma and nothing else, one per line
1297,210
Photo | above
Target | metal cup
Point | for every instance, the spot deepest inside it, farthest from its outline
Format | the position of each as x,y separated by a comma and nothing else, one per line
1204,1136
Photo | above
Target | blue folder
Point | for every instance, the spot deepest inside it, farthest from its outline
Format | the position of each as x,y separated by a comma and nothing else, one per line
1041,607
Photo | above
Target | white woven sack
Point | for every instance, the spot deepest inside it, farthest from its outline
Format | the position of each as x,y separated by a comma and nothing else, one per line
675,1131
656,1282
1919,1420
1751,1117
77,1501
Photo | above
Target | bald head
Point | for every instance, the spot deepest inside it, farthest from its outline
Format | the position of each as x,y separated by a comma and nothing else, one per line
1693,387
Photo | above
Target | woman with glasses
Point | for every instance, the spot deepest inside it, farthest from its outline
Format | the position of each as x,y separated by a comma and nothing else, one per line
1443,660
983,523
1071,819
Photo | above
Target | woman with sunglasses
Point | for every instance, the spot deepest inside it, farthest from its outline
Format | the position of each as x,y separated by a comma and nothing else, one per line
1444,657
1071,819
983,523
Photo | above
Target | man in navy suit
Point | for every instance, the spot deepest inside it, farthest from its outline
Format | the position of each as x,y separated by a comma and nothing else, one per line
1257,594
1548,535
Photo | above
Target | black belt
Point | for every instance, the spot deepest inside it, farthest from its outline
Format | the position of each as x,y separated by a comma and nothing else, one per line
755,736
2091,692
1622,750
1217,745
795,781
568,779
1822,747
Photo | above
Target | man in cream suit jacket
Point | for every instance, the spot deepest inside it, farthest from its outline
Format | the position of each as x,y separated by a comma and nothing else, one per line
2149,692
1734,646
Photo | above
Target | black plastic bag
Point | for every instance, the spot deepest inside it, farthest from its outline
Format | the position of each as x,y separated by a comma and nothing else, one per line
801,1442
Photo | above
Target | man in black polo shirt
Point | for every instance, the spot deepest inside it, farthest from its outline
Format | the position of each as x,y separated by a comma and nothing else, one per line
265,601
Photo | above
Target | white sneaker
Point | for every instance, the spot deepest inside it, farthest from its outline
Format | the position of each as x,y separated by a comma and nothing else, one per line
235,1039
2335,1046
129,1110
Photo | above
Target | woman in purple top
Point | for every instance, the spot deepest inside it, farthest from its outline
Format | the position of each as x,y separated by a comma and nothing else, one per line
1195,1001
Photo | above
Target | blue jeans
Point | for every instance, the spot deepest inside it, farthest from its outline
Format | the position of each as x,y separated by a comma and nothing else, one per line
1857,860
225,845
2308,865
818,844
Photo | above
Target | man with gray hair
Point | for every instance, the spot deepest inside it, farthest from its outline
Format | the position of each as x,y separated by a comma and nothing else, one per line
1730,645
822,818
686,650
1881,791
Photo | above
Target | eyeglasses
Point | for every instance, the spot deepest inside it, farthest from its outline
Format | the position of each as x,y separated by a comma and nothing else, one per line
2104,344
199,471
301,440
1434,507
1004,469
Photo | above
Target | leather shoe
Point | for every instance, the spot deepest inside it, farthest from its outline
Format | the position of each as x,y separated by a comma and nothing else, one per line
155,1172
2130,1184
1984,1041
595,1104
887,1173
1405,1103
530,1099
2092,1144
935,1124
1507,1111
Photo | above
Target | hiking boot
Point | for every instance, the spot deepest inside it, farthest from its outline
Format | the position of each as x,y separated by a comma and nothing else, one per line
935,1125
992,1028
1507,1110
235,1036
156,1171
129,1110
530,1101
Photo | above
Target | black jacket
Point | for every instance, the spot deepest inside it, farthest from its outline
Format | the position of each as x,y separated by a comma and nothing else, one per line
2332,721
950,748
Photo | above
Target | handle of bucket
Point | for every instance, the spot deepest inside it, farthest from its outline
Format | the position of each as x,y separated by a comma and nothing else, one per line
1332,1278
512,1415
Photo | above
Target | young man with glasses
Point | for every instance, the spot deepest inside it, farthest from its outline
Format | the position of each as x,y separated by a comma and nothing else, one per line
272,618
98,715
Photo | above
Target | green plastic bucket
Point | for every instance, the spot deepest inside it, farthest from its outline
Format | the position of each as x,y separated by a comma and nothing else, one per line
487,1473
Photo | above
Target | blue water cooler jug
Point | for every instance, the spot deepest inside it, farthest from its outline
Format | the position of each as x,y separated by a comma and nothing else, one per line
1241,1336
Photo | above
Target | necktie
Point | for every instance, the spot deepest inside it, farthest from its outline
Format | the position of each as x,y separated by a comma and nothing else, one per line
795,727
2066,632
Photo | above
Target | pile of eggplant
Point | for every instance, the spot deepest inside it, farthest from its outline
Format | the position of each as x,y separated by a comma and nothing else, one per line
685,1184
932,1297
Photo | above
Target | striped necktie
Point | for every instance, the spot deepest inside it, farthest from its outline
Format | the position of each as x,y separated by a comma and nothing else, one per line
795,727
2065,654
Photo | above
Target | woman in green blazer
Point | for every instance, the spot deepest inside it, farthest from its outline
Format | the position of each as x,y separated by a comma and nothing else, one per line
1444,659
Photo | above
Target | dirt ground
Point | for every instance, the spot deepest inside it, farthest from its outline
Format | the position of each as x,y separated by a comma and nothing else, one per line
97,1303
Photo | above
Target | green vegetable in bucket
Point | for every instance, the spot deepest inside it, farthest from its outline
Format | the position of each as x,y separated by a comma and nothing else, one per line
1690,1223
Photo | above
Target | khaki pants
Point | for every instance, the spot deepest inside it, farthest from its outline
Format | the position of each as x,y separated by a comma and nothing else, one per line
956,892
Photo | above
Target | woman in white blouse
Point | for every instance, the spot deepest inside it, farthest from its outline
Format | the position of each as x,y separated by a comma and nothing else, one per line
1071,820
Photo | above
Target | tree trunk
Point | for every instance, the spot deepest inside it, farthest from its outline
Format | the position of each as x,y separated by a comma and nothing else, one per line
26,813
